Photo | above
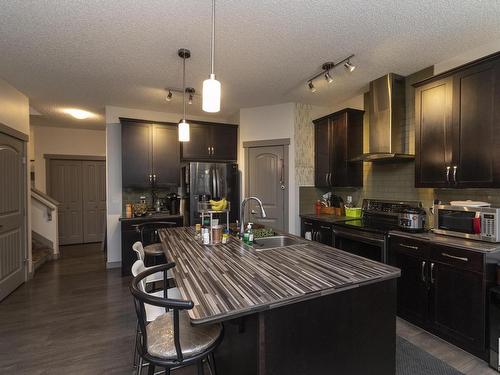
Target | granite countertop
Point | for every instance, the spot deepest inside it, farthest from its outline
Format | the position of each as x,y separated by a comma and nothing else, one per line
232,280
161,215
479,246
327,218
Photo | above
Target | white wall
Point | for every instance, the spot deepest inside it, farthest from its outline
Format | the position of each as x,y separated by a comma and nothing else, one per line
270,122
14,113
64,141
114,168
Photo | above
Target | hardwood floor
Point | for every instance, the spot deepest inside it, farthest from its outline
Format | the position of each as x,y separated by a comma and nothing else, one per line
76,317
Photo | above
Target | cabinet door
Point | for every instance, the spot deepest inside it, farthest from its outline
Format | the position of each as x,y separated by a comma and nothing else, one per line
338,151
306,226
475,124
198,146
322,153
136,155
325,235
433,131
224,141
166,165
412,294
457,306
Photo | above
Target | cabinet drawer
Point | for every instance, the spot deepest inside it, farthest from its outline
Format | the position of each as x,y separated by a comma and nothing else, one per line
460,258
409,246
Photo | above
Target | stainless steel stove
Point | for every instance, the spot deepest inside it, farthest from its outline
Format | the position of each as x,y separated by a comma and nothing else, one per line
368,236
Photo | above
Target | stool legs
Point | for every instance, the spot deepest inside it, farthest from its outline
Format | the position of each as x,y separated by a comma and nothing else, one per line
151,369
200,367
211,364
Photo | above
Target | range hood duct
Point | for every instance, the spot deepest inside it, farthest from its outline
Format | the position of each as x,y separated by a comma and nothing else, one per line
387,117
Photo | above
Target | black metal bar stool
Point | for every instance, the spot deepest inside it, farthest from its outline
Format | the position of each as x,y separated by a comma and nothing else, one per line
170,341
150,239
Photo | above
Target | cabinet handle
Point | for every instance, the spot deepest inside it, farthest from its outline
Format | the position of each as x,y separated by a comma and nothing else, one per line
331,180
150,179
455,174
409,246
324,227
209,150
326,178
307,223
154,178
213,150
432,273
448,174
464,259
422,271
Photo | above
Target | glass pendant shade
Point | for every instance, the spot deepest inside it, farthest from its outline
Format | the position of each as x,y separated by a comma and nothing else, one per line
211,94
183,128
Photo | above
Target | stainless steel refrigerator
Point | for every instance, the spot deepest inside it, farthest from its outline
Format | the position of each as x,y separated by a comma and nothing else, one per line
212,181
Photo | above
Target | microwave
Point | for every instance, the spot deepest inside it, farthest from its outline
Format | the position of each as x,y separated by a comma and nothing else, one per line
474,223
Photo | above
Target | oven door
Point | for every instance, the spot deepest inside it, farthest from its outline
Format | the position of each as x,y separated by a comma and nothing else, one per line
366,244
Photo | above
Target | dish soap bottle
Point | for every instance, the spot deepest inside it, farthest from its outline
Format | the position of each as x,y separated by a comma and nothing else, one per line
250,234
246,235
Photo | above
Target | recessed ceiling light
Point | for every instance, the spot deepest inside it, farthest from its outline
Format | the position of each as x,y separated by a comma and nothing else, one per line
79,114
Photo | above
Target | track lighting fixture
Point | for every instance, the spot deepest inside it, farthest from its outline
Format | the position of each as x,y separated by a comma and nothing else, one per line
326,69
328,77
190,91
169,96
349,66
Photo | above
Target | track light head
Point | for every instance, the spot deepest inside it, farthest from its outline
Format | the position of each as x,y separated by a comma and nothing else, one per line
190,100
311,86
349,66
169,96
190,91
328,77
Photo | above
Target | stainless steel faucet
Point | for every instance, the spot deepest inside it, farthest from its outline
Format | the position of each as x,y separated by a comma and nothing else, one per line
242,212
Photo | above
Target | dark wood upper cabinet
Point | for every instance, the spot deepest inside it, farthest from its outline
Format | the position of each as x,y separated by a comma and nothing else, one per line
136,154
150,154
210,141
166,162
338,139
458,127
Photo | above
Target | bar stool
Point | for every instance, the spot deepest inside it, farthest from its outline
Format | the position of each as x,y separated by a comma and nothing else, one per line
151,241
169,341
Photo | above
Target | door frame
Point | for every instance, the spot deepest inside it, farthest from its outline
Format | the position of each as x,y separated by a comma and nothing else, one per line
285,142
26,228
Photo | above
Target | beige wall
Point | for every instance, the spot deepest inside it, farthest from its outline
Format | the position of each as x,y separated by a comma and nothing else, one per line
65,141
14,108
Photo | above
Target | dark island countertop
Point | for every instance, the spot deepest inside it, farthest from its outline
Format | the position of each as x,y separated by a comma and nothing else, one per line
153,216
232,280
440,239
327,218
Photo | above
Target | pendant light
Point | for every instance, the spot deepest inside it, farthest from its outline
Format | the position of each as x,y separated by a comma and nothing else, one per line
183,127
211,87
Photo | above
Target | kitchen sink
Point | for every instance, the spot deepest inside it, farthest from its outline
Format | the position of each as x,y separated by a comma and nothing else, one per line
274,242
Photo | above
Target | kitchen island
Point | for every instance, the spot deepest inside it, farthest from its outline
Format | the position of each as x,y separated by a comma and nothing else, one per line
305,308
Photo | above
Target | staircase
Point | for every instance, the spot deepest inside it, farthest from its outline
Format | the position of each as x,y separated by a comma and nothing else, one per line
40,253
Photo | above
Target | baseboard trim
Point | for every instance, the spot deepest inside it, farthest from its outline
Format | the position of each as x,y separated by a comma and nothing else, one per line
110,265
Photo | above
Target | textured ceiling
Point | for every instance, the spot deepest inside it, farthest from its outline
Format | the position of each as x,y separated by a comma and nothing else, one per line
90,53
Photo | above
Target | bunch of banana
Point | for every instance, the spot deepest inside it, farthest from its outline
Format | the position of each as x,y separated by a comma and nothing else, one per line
219,205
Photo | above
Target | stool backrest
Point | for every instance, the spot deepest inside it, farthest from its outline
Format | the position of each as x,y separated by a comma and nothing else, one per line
141,298
139,249
137,268
149,231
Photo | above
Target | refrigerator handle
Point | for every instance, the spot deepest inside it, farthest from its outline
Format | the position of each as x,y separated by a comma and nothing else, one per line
214,185
216,178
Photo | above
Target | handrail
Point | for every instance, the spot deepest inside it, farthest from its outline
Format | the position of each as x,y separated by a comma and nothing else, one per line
43,198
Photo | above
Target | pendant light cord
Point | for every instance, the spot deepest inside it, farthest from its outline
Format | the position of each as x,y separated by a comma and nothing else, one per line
212,44
184,87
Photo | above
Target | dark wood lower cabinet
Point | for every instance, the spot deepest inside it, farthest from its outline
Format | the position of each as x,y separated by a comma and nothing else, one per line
443,290
130,235
320,231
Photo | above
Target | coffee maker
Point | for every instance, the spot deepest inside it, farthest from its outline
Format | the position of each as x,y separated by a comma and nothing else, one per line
172,202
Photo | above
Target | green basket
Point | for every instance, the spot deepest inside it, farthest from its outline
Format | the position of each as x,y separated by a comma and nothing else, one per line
353,212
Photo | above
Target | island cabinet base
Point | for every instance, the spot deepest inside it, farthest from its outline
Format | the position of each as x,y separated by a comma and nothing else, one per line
348,332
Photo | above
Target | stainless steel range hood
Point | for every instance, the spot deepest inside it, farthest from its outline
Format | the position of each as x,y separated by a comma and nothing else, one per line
387,116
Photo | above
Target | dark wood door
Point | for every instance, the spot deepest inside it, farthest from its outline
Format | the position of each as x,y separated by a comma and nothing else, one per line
457,306
475,142
198,148
136,155
322,156
165,156
224,141
65,186
338,151
433,127
94,200
412,258
325,235
12,214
